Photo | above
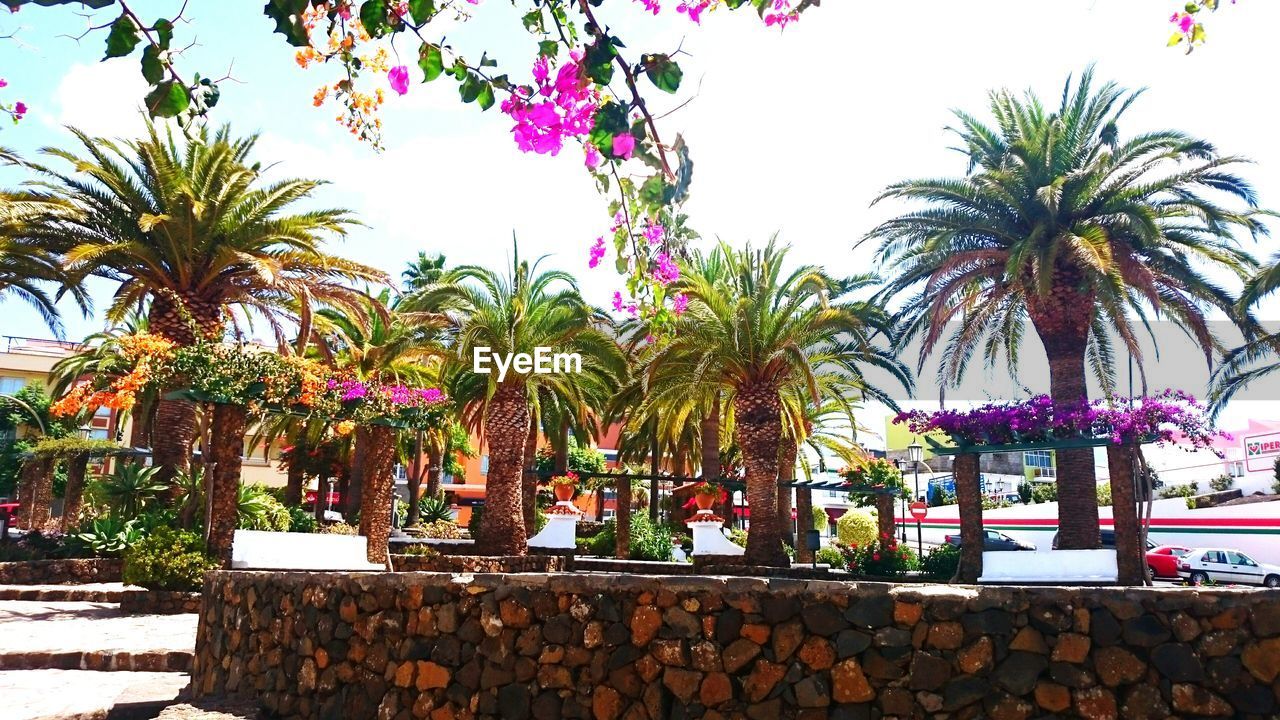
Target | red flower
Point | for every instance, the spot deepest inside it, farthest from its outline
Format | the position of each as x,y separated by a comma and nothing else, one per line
875,556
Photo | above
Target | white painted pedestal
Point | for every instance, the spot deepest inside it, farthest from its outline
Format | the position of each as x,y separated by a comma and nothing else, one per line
561,529
708,535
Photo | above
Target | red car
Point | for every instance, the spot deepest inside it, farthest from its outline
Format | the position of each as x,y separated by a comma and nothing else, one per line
1162,561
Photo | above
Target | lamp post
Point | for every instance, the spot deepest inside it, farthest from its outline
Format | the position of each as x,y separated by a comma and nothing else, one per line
897,463
915,453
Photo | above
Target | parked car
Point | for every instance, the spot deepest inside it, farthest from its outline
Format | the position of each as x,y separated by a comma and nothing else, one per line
1107,537
1226,566
993,540
1162,561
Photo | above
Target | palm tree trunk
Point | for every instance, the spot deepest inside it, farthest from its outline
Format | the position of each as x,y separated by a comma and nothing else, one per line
655,467
562,448
140,425
435,465
351,498
73,496
529,481
757,409
38,482
1124,509
322,497
969,500
804,521
709,440
171,449
622,527
786,473
1077,479
229,425
502,528
296,477
378,487
415,481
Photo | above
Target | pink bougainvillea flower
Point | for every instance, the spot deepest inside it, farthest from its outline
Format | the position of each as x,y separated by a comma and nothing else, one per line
568,110
398,76
597,252
617,300
654,232
651,5
665,271
1186,23
680,304
593,157
650,339
20,109
624,145
4,83
694,9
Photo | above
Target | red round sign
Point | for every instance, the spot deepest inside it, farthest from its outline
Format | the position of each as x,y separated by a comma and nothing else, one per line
919,510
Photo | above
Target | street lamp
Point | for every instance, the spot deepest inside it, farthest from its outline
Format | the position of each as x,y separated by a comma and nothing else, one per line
897,463
915,453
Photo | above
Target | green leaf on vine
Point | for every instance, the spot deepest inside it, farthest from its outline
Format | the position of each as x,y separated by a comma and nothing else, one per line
470,87
431,60
152,67
421,10
373,15
610,120
123,37
485,98
533,20
168,99
654,190
598,62
549,48
288,17
164,33
663,72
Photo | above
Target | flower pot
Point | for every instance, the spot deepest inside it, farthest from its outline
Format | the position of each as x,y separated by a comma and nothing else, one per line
704,501
564,493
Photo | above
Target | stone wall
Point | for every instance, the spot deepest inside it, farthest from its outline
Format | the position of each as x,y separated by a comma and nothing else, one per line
159,602
61,572
414,645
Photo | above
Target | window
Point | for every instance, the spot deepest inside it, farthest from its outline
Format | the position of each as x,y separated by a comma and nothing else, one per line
1040,462
12,385
484,464
1236,558
1214,556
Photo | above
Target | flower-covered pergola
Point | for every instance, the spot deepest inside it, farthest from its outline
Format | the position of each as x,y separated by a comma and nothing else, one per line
242,381
1121,425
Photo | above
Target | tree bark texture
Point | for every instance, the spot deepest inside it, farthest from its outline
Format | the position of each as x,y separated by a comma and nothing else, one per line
884,518
969,499
502,529
179,321
229,425
623,524
378,489
415,481
1130,559
529,481
804,521
73,496
757,408
787,452
296,477
38,486
352,496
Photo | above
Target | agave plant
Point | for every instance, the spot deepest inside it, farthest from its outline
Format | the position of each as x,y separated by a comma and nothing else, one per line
129,490
434,508
109,536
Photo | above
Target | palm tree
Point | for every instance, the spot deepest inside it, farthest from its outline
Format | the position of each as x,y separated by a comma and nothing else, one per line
516,313
753,334
1062,223
26,266
1256,358
190,227
422,271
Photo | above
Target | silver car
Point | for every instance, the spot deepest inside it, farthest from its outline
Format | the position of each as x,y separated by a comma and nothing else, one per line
1224,566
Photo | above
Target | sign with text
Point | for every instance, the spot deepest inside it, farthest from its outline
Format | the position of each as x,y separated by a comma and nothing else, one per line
1261,451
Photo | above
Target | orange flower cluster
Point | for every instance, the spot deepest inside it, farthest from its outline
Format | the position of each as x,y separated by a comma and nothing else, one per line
148,352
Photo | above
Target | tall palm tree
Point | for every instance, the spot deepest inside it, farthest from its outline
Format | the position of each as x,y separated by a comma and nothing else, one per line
191,227
1063,223
28,266
508,314
1257,357
422,271
753,334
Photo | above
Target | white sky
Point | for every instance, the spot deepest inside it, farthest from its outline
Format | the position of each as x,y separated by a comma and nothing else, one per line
794,132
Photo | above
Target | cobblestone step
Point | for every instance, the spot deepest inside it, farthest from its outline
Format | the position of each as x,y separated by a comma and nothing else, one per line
99,660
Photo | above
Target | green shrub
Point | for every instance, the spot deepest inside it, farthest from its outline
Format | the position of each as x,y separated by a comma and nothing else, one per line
1104,495
1044,492
302,521
339,529
649,541
1182,491
1222,483
830,556
883,559
856,528
258,509
940,497
440,530
129,490
107,536
167,560
821,520
940,562
473,525
1024,491
419,550
992,504
431,509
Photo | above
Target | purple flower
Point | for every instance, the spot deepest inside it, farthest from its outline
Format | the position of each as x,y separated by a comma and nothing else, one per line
398,76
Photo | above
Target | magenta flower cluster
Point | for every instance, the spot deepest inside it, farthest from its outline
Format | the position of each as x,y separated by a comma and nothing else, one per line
1170,416
352,390
555,110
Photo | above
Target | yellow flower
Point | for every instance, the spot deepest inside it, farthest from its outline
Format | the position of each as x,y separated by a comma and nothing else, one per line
344,428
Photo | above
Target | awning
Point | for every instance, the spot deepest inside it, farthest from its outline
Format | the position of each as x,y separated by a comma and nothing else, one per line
834,513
